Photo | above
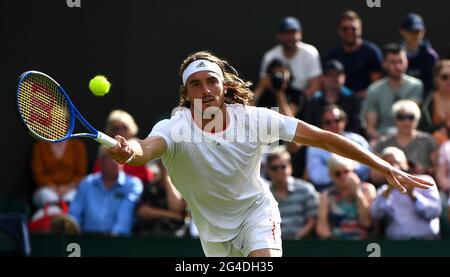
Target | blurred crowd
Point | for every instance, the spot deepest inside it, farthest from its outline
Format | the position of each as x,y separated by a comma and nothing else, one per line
393,100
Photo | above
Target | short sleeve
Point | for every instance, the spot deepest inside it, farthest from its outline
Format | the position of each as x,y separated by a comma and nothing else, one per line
273,126
376,58
163,129
315,68
370,105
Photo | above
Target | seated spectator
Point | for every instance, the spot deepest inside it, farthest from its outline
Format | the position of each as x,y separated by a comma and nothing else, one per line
385,92
420,148
57,169
344,209
121,123
161,210
105,201
421,56
280,85
334,92
361,58
303,59
334,119
414,215
297,200
435,108
443,170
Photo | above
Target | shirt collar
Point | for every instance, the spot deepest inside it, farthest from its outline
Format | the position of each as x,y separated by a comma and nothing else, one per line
120,179
290,186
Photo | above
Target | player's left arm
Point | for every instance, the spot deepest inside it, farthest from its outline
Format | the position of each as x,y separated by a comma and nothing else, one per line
310,135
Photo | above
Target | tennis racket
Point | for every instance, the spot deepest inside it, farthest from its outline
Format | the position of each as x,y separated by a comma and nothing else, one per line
47,112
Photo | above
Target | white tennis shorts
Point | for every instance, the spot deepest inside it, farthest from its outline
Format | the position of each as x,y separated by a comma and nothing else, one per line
260,230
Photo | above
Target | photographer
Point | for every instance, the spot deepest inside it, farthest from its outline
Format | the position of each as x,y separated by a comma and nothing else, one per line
279,92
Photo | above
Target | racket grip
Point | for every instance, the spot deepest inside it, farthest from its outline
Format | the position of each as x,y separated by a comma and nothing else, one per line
106,140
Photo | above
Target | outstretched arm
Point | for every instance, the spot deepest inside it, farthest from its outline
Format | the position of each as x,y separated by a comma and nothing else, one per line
316,137
141,151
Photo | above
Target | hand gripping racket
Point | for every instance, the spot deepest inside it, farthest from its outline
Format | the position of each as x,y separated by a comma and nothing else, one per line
47,112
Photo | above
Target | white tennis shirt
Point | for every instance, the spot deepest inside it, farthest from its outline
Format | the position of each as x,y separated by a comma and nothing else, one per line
218,174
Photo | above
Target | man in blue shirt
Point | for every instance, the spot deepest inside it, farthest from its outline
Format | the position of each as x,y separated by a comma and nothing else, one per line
105,200
334,119
361,59
421,56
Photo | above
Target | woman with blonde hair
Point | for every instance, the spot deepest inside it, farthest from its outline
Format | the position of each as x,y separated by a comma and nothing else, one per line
120,122
420,147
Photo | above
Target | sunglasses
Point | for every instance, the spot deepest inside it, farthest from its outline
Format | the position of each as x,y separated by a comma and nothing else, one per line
402,117
348,28
329,122
278,167
119,128
445,77
340,173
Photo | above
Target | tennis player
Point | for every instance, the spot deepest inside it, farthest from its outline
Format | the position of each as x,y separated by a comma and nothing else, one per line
212,149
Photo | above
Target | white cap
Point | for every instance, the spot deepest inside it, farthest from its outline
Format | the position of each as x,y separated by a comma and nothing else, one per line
201,65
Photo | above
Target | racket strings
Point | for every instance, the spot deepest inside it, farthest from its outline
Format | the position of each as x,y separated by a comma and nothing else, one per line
44,109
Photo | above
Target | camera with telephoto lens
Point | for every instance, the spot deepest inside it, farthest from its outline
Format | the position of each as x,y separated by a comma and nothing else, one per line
278,79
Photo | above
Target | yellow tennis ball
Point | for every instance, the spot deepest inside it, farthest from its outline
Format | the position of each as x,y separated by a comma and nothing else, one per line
99,85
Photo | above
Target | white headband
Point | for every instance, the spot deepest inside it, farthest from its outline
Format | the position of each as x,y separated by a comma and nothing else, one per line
201,65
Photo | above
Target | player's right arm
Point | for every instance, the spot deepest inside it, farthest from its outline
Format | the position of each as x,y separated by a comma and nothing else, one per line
142,150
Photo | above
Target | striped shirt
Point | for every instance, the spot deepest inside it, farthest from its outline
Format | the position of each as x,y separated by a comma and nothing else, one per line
301,203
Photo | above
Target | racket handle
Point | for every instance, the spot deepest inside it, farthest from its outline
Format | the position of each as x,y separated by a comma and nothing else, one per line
106,140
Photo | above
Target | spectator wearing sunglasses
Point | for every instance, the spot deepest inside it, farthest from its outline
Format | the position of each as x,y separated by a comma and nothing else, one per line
361,58
121,123
414,215
333,119
344,209
297,199
435,109
420,147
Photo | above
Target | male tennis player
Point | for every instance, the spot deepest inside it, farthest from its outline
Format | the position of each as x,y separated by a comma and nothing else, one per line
212,150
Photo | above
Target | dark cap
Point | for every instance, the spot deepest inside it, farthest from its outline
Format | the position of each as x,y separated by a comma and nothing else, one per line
333,65
289,23
413,22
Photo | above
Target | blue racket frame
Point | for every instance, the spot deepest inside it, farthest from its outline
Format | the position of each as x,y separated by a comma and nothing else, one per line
73,113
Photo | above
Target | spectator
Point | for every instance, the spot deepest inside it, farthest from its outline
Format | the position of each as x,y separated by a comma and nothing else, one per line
344,209
385,92
361,58
443,170
303,59
161,210
57,170
280,85
121,123
297,200
420,148
335,92
436,112
421,56
414,215
105,201
334,119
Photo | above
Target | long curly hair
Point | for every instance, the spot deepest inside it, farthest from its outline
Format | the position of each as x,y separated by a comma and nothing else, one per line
238,90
